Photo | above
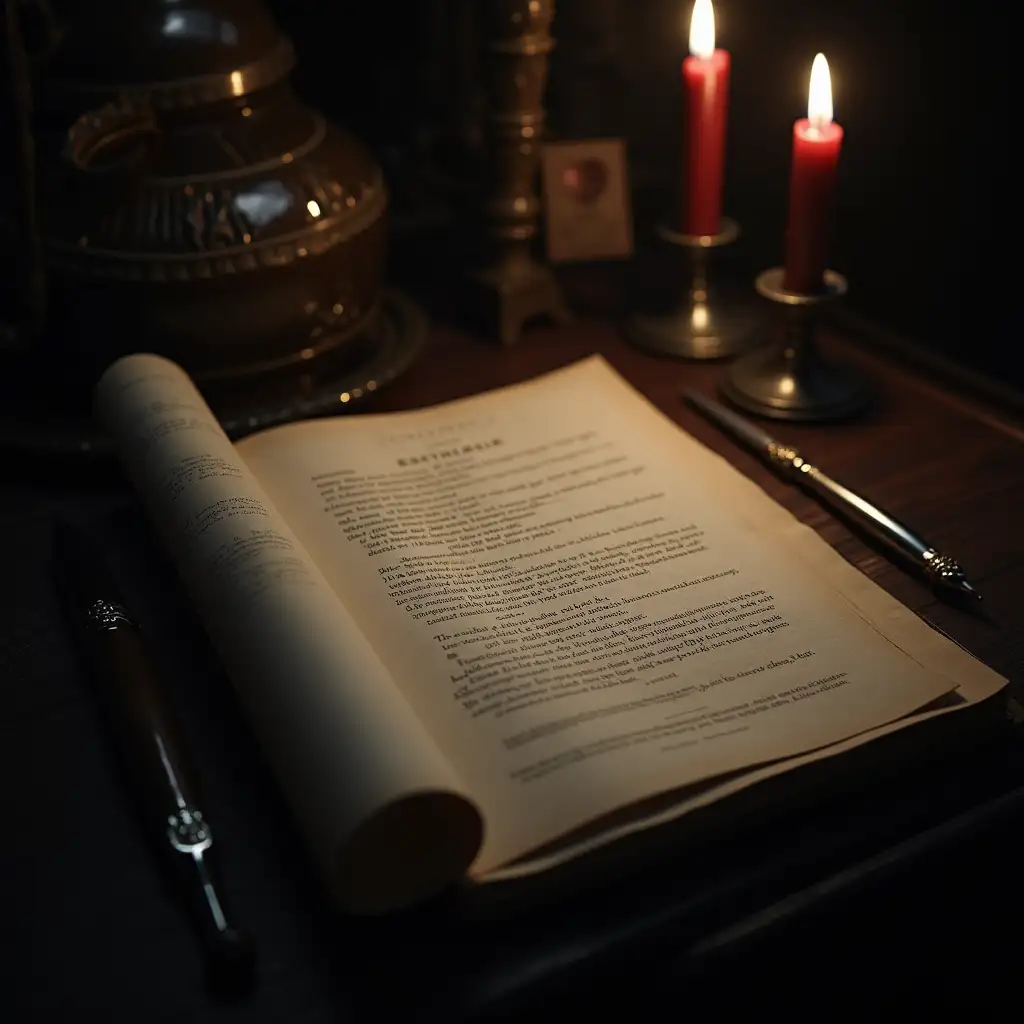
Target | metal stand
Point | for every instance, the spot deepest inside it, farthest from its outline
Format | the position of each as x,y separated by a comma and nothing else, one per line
512,287
789,379
704,323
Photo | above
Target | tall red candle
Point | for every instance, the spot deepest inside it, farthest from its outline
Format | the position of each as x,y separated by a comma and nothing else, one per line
817,140
706,101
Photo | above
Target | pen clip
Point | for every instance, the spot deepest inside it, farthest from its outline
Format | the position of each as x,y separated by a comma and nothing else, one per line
229,953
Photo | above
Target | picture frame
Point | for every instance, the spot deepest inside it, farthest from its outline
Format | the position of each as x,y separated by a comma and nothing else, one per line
587,206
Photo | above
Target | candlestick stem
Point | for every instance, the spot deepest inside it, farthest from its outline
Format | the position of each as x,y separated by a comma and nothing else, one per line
512,286
703,322
789,378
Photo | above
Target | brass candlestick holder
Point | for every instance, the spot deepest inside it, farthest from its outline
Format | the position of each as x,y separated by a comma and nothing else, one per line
512,285
705,322
789,379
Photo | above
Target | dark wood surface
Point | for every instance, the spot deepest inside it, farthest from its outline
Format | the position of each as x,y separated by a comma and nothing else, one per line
86,927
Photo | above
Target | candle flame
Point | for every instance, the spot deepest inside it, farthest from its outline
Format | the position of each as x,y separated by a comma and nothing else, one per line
819,96
702,30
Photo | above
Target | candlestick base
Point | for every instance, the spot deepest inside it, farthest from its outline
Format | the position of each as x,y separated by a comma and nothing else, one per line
705,322
789,379
513,291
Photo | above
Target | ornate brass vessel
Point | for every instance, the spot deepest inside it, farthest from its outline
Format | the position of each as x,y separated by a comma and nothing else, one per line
196,206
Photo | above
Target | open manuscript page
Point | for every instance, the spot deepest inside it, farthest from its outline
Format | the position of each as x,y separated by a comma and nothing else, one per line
585,606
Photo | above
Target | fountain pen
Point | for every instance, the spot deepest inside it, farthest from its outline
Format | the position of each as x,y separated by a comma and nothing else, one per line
940,570
152,754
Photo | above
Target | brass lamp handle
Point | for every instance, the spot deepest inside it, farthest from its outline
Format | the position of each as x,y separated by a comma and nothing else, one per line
118,138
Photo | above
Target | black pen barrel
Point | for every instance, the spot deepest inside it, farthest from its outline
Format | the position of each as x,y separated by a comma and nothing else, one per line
149,740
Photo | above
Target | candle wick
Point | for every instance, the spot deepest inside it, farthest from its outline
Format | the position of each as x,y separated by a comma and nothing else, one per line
816,127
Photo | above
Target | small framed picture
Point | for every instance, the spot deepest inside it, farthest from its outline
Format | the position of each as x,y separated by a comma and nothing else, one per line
586,200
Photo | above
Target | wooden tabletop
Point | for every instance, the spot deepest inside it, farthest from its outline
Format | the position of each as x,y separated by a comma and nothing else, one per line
87,927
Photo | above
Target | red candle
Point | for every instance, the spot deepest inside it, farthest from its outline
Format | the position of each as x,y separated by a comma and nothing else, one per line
706,98
817,140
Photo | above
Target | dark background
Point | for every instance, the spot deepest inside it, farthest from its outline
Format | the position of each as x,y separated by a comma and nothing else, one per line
926,233
926,215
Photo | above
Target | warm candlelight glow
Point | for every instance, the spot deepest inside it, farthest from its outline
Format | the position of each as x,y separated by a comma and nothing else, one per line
819,97
702,30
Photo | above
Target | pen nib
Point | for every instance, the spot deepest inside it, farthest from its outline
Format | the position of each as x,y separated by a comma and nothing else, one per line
965,588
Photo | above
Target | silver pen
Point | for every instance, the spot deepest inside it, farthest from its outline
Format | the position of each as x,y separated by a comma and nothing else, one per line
939,569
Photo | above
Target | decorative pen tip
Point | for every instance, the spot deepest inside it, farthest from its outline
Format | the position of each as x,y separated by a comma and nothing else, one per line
966,588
